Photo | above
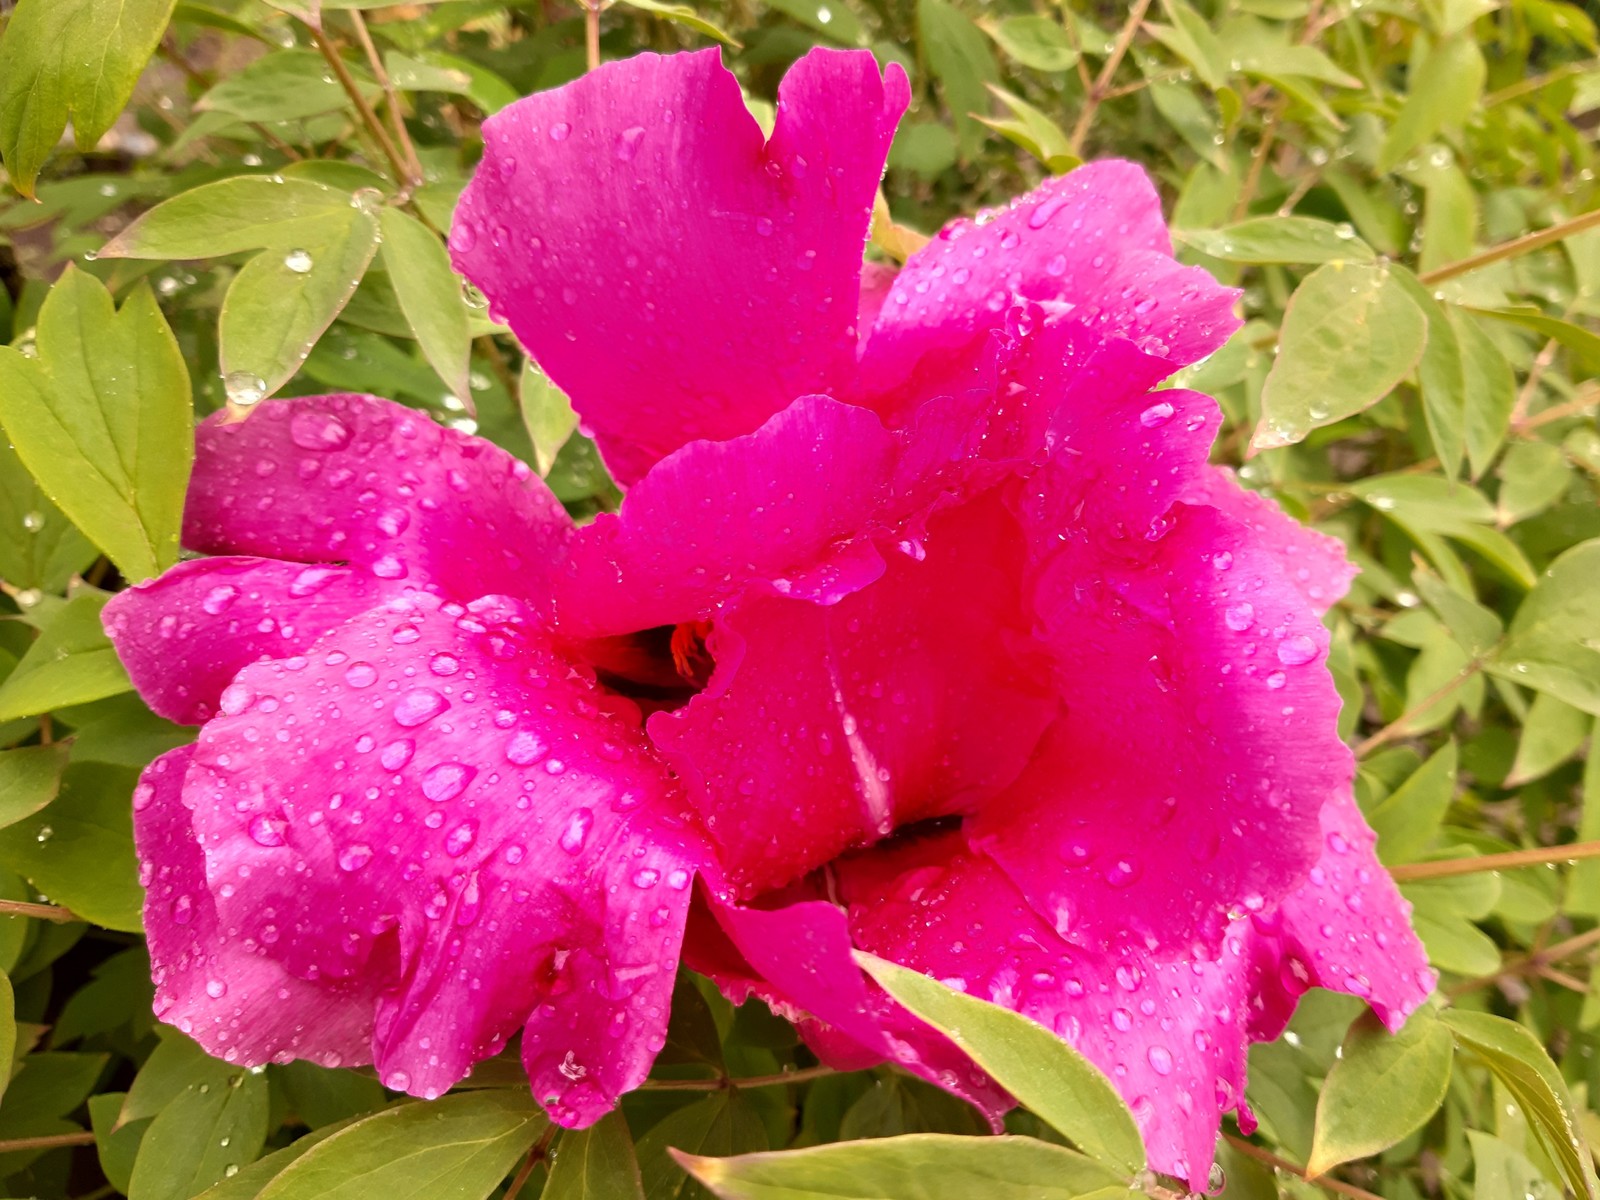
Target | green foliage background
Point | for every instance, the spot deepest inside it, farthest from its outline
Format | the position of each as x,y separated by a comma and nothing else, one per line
1404,189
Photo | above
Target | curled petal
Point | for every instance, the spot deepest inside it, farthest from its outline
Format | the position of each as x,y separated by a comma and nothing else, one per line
1091,244
916,697
430,802
364,481
185,634
216,987
734,286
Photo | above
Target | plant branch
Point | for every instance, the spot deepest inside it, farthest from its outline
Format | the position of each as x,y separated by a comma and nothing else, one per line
1397,727
1338,1186
1510,860
591,32
536,1155
45,912
47,1142
1101,87
391,97
724,1082
1525,244
369,118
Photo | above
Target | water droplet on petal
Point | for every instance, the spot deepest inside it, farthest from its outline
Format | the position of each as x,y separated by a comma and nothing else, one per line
446,781
419,706
354,857
577,831
1296,650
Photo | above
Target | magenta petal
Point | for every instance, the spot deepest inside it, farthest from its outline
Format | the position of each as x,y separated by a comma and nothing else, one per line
364,481
1091,244
918,696
680,276
773,506
1184,783
432,803
185,634
220,989
1347,928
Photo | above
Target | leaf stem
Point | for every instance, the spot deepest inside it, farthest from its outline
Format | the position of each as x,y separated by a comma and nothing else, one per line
391,97
1397,727
1510,860
1525,244
1338,1186
1099,89
47,1142
724,1082
536,1155
591,32
45,912
369,117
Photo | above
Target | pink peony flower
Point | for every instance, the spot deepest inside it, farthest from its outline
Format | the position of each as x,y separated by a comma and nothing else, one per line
924,628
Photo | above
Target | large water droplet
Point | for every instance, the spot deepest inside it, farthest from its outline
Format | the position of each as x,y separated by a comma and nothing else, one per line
419,706
1296,650
243,388
361,674
265,830
526,748
577,831
298,261
446,781
397,754
354,857
313,430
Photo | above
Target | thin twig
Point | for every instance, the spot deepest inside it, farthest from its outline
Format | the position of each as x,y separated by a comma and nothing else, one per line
1509,861
44,912
1397,727
723,1083
1250,1150
537,1155
1530,385
1102,84
391,97
1586,397
591,32
1258,161
47,1142
1516,246
369,118
1534,83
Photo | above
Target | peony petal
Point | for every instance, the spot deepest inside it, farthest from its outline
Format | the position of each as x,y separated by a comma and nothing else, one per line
217,988
1183,786
676,274
185,634
1091,243
364,481
432,802
1346,928
825,727
771,507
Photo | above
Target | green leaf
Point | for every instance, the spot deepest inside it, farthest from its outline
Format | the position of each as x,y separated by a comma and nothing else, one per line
74,60
1491,391
459,1147
175,1066
1551,733
1443,90
247,212
39,547
959,57
78,850
1382,1088
102,418
432,71
117,1147
322,1096
1279,240
547,413
71,661
596,1163
280,303
1573,337
1033,131
288,85
8,1031
1038,42
1533,476
1516,1058
831,18
1553,644
1350,334
682,14
205,1134
1192,39
1408,818
1441,374
248,1182
29,780
1046,1075
430,295
919,1166
721,1124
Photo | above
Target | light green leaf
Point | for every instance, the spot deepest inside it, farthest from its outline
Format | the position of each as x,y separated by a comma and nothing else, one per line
103,420
919,1166
1551,733
1408,817
201,1137
430,295
682,14
247,212
1382,1088
8,1031
1034,41
247,1184
1518,1060
1441,374
596,1163
1033,131
433,71
1553,644
831,18
288,85
1491,391
959,57
1279,240
29,780
39,547
74,60
1350,334
1046,1075
280,303
78,850
1533,476
459,1147
1192,39
1441,93
70,662
1573,337
175,1066
1583,881
547,413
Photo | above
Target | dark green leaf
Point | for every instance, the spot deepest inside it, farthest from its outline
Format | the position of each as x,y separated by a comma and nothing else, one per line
595,1164
959,57
1279,240
70,662
430,295
1553,644
204,1135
